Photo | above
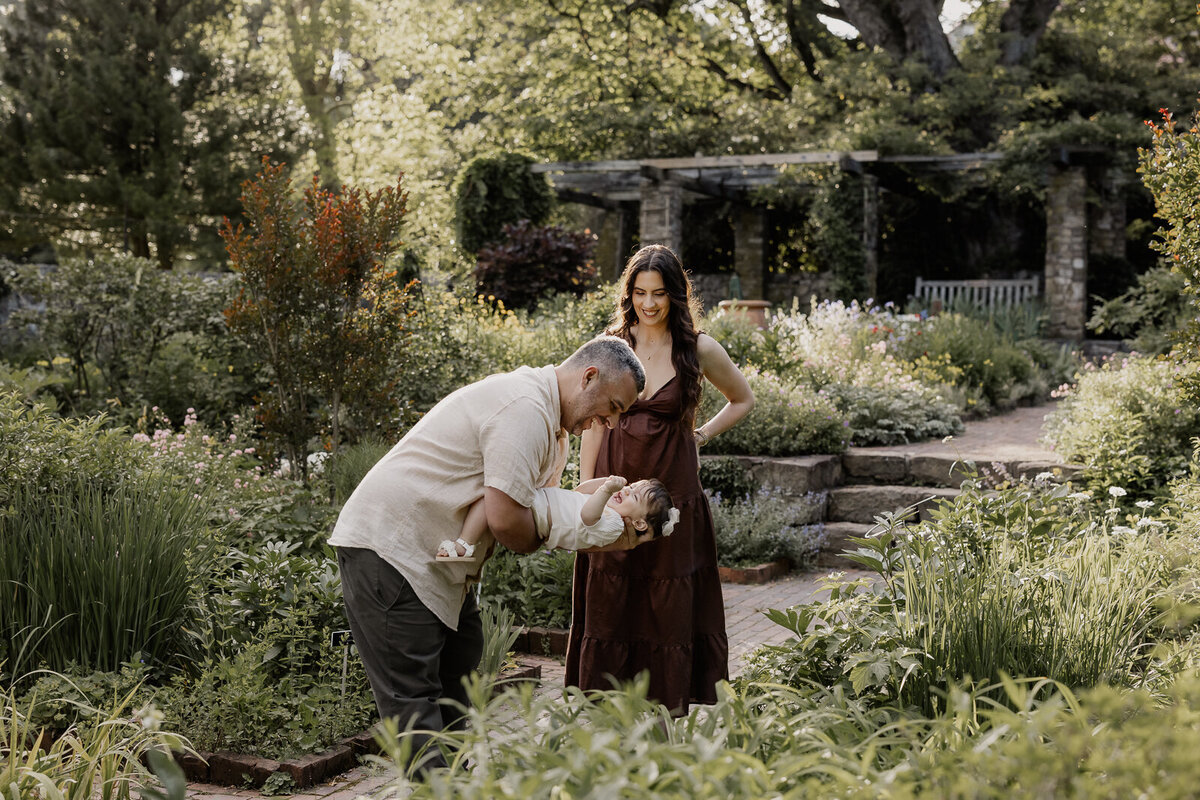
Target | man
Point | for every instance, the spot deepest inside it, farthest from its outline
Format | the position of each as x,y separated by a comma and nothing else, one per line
416,625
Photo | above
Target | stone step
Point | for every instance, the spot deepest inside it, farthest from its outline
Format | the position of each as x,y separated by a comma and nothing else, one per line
885,466
801,474
837,540
862,503
796,475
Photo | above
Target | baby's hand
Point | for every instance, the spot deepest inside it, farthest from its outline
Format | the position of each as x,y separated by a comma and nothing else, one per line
614,484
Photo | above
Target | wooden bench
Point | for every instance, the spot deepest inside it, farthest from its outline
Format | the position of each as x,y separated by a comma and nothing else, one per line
980,292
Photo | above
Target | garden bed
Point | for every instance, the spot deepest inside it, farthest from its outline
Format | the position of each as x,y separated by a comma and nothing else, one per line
538,641
761,573
239,769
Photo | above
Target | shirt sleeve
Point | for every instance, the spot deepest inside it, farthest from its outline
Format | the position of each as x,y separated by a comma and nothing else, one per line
515,444
563,448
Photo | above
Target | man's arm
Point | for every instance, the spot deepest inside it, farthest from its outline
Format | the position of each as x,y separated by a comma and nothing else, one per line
510,522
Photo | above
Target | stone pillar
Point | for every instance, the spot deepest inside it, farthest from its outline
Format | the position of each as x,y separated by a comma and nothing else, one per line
870,234
1106,226
606,224
1066,253
748,236
662,215
627,228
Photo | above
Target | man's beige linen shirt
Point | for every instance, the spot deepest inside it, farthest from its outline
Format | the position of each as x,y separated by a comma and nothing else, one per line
499,432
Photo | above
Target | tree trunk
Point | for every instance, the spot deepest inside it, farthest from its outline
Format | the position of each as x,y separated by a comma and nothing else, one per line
876,27
924,36
1023,25
903,29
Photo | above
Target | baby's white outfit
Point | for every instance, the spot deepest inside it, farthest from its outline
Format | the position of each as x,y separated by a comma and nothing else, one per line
558,510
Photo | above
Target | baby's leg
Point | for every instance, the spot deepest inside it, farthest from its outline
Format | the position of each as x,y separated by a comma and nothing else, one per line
474,531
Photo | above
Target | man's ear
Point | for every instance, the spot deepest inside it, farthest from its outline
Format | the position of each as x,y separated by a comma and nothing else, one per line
640,524
589,375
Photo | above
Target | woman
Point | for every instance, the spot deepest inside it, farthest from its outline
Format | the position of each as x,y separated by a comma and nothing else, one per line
658,607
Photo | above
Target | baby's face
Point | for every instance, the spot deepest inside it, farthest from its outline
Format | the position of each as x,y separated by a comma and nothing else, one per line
631,502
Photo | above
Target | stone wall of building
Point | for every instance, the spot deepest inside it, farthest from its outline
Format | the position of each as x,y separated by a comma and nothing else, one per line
662,215
1066,253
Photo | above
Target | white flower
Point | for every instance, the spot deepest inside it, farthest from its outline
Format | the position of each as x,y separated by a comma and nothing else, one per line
149,717
1117,491
1080,495
1144,504
1044,476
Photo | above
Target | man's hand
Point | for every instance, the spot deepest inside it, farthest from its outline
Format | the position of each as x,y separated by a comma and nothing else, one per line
626,541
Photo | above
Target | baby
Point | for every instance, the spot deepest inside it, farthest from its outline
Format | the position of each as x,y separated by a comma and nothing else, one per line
595,515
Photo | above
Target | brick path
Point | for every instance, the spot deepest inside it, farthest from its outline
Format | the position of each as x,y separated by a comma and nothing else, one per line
1006,437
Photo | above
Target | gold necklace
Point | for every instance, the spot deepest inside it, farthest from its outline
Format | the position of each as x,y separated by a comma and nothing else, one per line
656,351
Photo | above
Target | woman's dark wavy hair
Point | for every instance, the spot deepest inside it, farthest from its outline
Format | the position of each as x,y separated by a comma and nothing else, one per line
681,319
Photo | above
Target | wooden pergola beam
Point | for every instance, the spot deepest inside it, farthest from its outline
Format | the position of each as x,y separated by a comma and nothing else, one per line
699,185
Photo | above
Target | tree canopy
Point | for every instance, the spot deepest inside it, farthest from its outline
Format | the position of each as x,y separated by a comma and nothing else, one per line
129,125
132,124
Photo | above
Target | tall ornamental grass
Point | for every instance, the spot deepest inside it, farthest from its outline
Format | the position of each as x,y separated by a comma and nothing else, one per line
98,577
1016,738
1033,581
103,761
1078,616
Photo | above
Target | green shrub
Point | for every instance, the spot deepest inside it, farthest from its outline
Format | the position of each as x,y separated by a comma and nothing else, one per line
1109,744
115,329
1150,314
1128,423
787,420
987,365
1039,740
727,477
246,504
1170,169
254,701
275,584
458,340
39,451
495,190
535,588
747,344
74,698
767,526
884,416
528,263
351,465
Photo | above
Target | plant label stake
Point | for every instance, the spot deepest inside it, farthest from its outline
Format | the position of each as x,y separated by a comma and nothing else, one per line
345,639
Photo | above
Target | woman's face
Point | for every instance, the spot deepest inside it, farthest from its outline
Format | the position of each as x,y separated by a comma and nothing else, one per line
650,300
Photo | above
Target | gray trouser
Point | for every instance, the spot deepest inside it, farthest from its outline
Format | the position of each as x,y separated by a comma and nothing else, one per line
412,659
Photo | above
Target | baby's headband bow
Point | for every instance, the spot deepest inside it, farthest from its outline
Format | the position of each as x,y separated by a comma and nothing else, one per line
669,525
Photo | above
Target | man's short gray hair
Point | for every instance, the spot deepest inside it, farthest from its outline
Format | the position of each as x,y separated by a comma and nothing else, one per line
609,353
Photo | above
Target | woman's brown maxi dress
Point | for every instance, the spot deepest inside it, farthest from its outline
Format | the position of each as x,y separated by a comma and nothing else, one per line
657,607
